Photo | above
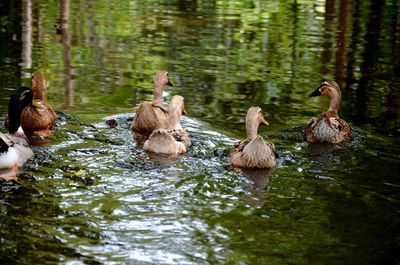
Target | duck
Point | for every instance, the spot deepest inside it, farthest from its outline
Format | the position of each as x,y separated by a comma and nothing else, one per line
328,127
153,115
254,151
174,140
14,147
38,121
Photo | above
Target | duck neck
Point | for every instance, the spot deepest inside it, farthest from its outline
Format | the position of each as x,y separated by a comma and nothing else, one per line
39,89
158,92
334,102
174,119
14,118
251,129
39,94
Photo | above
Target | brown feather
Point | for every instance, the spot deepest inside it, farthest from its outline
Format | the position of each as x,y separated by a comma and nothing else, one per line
254,153
162,142
180,135
38,121
153,115
339,129
149,117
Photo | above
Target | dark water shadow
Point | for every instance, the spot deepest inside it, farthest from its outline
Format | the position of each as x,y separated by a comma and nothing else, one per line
23,205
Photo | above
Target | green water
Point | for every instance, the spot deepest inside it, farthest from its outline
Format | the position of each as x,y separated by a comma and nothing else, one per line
320,205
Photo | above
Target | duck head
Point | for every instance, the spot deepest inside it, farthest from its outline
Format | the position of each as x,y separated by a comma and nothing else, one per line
326,88
176,109
161,79
39,86
330,89
254,118
19,99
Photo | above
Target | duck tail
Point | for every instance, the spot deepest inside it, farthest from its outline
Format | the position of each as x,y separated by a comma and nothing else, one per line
259,153
160,141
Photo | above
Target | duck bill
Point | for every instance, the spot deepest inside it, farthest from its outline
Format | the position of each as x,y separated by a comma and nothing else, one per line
170,83
265,122
316,93
36,104
184,112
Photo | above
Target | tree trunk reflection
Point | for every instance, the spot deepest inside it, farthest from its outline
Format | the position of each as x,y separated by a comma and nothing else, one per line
26,38
66,42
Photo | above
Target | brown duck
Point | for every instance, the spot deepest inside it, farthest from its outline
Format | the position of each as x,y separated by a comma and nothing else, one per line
328,127
253,152
153,115
174,140
38,121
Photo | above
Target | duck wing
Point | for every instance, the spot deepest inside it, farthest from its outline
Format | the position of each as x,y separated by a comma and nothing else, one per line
271,146
181,136
239,146
161,106
149,118
18,140
344,129
20,150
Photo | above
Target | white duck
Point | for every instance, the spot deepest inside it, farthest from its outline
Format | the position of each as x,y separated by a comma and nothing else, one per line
14,147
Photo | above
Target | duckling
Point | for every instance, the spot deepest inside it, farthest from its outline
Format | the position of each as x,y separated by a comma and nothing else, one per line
174,140
14,148
328,127
38,121
253,152
153,115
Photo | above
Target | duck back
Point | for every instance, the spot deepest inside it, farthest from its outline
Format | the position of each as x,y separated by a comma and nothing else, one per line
254,153
162,142
327,127
36,119
149,117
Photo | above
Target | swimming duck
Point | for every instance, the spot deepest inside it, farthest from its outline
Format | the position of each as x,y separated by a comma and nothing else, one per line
38,121
328,127
174,140
253,152
153,115
14,148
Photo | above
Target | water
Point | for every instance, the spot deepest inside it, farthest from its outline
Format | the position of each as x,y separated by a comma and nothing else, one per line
93,196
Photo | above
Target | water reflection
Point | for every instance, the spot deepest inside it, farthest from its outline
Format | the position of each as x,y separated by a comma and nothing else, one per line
66,43
26,38
259,180
163,159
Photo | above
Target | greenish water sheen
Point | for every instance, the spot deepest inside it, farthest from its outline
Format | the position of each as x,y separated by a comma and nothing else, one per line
322,204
